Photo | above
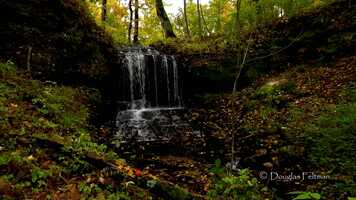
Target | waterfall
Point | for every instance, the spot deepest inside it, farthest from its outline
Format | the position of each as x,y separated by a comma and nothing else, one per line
166,68
150,89
153,80
177,99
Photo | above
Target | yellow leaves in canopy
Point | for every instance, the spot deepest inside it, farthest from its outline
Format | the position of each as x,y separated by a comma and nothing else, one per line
95,9
110,29
316,3
227,10
114,7
117,8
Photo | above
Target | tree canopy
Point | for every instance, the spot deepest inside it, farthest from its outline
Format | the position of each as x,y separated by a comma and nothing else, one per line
215,18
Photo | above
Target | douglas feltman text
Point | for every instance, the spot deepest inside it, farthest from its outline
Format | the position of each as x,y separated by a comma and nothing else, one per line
275,176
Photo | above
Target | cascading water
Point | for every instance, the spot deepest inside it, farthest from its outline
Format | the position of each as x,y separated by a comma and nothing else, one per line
151,95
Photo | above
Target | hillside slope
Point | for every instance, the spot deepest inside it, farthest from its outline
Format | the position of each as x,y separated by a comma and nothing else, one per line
300,119
34,113
65,43
296,112
316,37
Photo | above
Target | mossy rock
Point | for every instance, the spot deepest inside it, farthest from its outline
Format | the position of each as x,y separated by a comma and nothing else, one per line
275,88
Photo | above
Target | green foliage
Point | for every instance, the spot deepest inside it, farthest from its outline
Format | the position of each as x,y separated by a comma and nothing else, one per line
6,68
152,183
218,168
16,157
242,186
218,17
82,143
266,111
77,165
90,191
33,106
177,193
118,196
273,95
7,178
330,145
306,195
275,88
39,177
346,186
85,189
294,113
32,110
350,92
332,139
62,105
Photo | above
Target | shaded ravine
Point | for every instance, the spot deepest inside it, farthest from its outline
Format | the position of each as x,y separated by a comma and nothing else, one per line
152,129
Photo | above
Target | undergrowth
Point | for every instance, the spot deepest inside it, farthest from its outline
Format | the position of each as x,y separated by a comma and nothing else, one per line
33,112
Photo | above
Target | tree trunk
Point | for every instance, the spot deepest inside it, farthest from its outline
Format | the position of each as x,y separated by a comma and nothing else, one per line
199,19
218,23
163,17
238,41
203,18
103,10
136,23
186,19
238,23
130,22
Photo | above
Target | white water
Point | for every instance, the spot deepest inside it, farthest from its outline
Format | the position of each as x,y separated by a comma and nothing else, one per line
154,92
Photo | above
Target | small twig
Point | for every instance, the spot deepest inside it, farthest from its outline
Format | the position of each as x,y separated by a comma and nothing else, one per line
248,136
205,24
65,180
232,147
242,64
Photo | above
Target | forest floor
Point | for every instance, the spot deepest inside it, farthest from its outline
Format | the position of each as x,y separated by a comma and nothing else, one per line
288,122
295,121
299,120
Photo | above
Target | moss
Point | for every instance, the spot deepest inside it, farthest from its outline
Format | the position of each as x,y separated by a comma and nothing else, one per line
275,94
7,68
177,193
33,111
275,87
331,139
350,92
